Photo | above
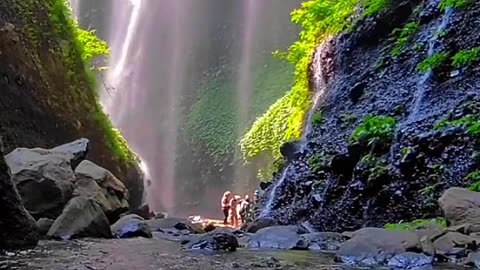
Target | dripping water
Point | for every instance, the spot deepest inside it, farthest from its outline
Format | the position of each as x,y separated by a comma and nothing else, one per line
432,49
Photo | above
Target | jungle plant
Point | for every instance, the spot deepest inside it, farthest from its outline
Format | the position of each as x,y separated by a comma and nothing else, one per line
414,225
404,36
374,127
474,177
433,62
459,4
317,119
466,57
470,122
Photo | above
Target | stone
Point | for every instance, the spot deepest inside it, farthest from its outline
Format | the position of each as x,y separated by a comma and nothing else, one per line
410,260
17,227
82,217
43,178
278,237
44,225
291,150
219,239
175,225
375,246
75,151
130,226
473,259
97,183
143,211
452,242
257,224
460,206
324,241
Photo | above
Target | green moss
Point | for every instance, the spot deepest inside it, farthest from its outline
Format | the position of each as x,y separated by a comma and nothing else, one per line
470,122
416,224
213,121
404,36
466,57
317,119
433,62
474,177
318,161
283,121
78,48
374,127
459,4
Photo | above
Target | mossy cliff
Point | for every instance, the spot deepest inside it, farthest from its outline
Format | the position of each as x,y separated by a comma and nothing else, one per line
48,93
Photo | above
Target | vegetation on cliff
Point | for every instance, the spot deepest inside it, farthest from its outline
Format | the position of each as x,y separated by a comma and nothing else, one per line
78,48
283,121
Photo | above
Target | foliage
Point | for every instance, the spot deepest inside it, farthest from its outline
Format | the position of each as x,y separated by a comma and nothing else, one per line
474,178
416,224
466,57
283,121
318,161
404,36
317,119
459,4
213,120
78,48
374,127
470,122
433,62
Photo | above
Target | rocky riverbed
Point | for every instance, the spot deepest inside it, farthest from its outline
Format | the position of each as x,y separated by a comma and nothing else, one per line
157,254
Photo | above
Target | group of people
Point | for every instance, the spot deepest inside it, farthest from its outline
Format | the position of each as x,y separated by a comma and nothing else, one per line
237,210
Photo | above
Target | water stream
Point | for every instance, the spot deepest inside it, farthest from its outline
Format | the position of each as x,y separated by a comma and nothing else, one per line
422,87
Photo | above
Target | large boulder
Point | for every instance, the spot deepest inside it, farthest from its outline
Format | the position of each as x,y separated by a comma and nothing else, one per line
131,226
44,225
219,239
375,246
43,178
278,237
460,206
75,151
82,217
97,183
257,224
324,241
17,227
454,244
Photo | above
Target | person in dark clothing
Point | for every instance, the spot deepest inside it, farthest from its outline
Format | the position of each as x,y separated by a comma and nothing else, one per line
225,204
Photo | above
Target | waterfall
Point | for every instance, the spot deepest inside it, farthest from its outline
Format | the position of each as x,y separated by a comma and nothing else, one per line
432,49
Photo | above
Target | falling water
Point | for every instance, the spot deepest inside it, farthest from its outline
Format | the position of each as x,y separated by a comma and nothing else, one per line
432,46
319,87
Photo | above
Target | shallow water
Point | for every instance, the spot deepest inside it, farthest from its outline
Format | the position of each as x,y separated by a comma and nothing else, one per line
154,254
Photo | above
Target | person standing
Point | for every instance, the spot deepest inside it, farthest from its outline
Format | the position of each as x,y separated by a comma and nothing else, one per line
234,205
244,208
225,204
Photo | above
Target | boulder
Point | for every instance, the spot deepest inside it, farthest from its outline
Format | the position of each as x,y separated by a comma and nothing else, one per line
44,179
278,237
97,183
17,227
75,151
82,217
324,241
257,224
460,206
219,239
131,226
375,246
143,211
410,260
44,225
173,225
453,243
473,259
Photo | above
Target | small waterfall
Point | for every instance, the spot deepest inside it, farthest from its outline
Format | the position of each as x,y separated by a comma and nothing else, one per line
320,87
422,82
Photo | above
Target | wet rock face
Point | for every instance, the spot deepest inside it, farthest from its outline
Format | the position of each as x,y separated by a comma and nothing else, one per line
17,227
386,181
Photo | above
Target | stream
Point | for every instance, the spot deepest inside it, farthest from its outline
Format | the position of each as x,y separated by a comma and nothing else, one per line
155,254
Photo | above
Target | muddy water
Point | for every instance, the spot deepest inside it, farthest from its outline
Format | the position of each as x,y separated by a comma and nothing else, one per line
153,254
